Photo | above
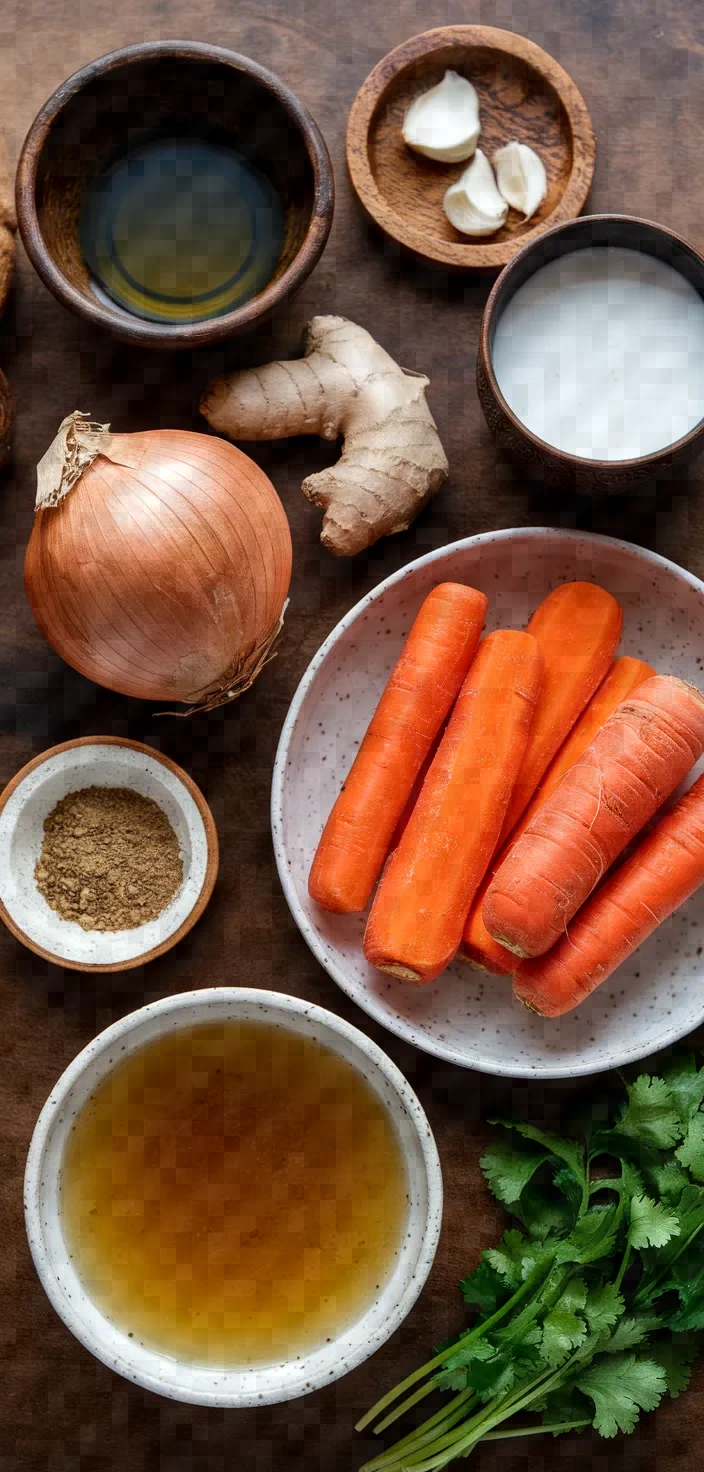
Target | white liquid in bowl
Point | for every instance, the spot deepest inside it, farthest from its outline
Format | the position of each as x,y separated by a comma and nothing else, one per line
601,354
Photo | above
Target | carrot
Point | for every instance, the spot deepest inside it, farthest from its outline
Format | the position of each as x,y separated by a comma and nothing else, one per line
478,947
665,869
578,627
416,920
420,693
634,762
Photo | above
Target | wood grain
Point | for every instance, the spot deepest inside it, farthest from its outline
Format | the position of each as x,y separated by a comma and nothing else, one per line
640,66
524,94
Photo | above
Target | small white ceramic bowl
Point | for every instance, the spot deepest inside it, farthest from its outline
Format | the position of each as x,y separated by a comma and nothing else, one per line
198,1384
101,761
467,1016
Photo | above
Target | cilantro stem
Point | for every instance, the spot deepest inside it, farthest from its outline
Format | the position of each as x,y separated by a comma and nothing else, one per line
443,1448
556,1430
522,1294
624,1264
448,1416
411,1400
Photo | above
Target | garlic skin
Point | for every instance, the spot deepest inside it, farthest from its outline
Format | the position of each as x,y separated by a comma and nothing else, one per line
473,205
521,177
443,123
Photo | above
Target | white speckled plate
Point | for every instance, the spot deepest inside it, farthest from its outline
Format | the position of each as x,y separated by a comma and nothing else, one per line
467,1016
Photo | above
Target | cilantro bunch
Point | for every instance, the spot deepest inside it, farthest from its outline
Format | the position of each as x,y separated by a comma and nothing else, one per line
587,1314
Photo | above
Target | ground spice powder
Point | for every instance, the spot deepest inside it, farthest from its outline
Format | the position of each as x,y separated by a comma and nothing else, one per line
110,859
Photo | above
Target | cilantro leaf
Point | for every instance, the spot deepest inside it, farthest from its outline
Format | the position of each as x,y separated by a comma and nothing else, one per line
683,1254
691,1313
675,1354
631,1331
566,1150
563,1331
631,1179
620,1387
691,1151
508,1167
685,1082
565,1404
567,1183
592,1237
669,1180
493,1379
651,1116
687,1278
454,1374
603,1307
543,1212
485,1288
652,1223
511,1257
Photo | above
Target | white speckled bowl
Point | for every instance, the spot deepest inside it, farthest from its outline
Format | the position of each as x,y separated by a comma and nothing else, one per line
102,761
198,1384
466,1016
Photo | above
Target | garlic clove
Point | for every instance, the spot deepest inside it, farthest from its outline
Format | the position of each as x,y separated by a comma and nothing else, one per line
521,177
443,123
474,205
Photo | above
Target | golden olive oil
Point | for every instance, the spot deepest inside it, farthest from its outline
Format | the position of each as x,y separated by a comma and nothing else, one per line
233,1194
182,230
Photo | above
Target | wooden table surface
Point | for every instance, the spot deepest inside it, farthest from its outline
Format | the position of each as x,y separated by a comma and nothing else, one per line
640,65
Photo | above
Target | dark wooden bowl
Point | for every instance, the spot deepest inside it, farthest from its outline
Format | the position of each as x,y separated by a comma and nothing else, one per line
523,94
132,93
541,460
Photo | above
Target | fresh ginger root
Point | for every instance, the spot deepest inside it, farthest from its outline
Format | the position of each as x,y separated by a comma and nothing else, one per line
392,460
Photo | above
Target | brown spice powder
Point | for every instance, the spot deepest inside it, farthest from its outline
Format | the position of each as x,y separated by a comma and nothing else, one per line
110,859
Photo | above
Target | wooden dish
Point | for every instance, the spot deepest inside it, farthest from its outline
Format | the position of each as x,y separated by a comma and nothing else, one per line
523,94
138,92
103,761
543,461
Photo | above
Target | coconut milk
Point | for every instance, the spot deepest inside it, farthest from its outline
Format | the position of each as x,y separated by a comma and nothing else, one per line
601,354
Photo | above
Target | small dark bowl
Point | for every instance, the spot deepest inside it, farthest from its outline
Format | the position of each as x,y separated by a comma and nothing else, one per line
541,460
139,90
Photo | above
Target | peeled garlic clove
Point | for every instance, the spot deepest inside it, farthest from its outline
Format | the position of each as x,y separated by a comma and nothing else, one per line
474,205
521,177
444,123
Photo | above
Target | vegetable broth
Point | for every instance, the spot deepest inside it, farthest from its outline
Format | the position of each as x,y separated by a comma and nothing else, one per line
182,230
233,1194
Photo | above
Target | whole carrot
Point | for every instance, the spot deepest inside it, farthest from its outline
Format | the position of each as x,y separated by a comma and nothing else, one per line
666,868
578,627
416,920
420,693
478,946
634,762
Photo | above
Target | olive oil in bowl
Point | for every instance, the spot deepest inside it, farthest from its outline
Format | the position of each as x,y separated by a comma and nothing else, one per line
233,1194
181,230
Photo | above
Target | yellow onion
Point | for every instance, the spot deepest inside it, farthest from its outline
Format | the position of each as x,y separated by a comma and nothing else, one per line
158,563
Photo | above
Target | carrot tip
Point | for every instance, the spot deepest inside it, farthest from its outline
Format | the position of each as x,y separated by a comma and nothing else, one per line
529,1006
514,949
392,968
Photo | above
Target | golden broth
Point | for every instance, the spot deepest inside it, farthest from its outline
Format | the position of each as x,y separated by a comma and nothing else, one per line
233,1194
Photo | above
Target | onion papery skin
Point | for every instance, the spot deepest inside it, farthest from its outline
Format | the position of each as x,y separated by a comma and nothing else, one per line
163,576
